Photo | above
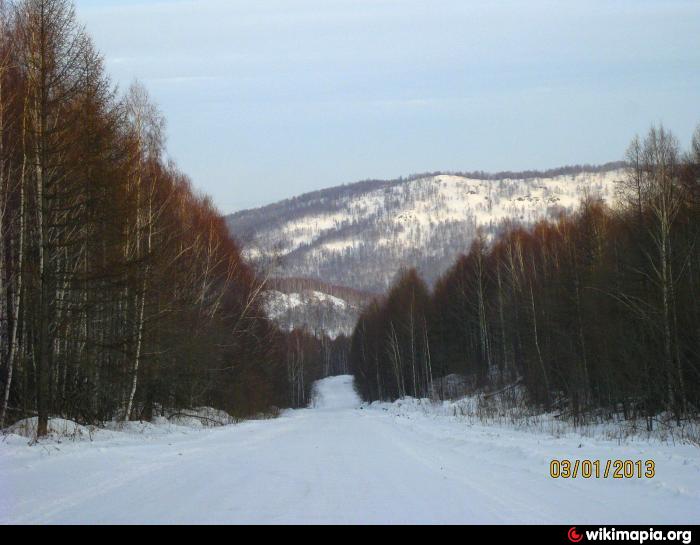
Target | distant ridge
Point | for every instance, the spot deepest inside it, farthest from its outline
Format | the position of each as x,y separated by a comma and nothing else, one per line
243,221
358,235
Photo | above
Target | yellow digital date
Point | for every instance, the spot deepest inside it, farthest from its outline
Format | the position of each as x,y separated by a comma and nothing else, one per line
598,469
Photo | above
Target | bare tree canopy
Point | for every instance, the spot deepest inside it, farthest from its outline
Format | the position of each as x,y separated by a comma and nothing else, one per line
597,311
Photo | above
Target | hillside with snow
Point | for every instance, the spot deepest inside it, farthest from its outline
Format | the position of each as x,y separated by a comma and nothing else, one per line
360,235
313,306
315,311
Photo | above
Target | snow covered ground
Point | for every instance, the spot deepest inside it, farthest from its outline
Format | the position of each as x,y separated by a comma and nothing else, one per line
339,462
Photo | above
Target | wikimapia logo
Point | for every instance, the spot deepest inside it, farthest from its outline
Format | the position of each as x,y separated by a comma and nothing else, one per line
636,536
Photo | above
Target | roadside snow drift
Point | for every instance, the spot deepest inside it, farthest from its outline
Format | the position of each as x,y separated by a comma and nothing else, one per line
337,463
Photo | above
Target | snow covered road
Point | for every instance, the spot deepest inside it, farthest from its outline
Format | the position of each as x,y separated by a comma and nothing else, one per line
336,463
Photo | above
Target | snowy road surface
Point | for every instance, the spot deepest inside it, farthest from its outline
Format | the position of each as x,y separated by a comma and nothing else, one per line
335,463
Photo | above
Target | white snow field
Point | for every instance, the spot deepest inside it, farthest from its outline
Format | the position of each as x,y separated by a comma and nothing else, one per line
339,463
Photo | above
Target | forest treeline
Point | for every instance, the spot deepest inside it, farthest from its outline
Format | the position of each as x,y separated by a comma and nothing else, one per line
121,290
597,313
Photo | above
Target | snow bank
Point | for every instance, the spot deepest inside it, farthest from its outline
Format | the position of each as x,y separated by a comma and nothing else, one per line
60,429
201,417
514,415
57,428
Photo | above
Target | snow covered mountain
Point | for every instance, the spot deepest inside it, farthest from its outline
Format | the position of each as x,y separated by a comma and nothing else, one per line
359,235
320,308
313,310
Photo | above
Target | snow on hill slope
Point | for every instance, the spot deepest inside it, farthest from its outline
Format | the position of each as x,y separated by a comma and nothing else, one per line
315,311
359,235
319,308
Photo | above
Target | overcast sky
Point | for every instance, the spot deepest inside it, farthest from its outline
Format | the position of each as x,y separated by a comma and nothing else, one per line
266,99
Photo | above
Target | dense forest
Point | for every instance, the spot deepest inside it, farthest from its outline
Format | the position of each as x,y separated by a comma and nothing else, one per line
121,291
596,313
